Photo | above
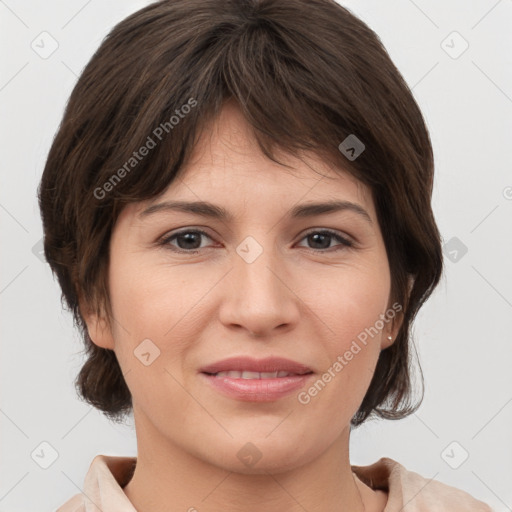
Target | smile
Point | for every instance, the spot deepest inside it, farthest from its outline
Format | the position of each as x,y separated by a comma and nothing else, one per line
256,380
234,374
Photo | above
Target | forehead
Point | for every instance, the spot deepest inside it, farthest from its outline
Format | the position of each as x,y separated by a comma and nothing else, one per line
229,144
227,167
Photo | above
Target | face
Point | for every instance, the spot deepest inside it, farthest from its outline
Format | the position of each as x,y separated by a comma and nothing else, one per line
259,291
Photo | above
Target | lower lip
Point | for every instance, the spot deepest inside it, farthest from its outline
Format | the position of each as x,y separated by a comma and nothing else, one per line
257,390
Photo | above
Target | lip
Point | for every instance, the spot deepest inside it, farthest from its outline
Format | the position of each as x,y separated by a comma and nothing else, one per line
269,364
257,389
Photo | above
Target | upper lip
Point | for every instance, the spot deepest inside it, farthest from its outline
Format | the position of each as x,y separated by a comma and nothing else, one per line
269,364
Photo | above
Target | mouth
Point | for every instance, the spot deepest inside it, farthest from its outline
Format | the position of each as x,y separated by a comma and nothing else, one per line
252,380
250,368
246,374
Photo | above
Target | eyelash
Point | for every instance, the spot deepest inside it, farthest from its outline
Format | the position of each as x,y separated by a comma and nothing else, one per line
345,243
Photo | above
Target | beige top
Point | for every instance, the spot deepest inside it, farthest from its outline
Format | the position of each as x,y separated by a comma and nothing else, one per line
407,491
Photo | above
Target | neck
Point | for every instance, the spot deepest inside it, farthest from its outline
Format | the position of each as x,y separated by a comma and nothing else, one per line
168,478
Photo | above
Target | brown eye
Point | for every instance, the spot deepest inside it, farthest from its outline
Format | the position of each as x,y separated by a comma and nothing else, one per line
187,241
321,240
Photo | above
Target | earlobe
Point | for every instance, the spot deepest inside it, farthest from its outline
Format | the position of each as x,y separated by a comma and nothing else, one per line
387,341
390,332
100,332
389,335
98,328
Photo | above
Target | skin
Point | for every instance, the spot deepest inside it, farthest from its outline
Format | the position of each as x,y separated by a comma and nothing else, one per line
299,299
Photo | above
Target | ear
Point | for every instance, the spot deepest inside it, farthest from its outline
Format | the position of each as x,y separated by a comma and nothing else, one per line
393,325
391,329
97,327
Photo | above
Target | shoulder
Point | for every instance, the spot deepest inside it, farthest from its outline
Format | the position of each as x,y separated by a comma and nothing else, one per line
103,484
410,492
74,504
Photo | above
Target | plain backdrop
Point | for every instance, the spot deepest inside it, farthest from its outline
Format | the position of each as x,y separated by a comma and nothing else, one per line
456,57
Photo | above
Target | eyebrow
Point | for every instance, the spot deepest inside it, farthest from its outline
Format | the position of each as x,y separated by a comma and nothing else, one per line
206,209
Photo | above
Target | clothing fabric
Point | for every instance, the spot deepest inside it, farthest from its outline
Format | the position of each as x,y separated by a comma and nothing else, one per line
407,491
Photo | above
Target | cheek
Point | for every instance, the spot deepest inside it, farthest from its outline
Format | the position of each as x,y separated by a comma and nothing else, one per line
149,299
351,303
152,328
351,309
155,303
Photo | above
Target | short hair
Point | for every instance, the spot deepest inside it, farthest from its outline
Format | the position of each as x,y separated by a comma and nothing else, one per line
306,75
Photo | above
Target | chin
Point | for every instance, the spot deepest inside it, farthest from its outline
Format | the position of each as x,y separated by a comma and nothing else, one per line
260,453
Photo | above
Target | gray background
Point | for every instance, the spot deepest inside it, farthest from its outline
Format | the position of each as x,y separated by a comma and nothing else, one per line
462,334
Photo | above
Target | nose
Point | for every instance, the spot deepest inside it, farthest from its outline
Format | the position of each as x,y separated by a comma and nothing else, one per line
258,297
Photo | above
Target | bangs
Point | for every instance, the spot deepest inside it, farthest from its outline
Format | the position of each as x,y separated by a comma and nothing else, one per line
164,89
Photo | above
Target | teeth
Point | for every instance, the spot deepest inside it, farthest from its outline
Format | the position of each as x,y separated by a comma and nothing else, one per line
252,375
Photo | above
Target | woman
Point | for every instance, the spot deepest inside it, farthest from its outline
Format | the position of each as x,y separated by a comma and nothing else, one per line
208,153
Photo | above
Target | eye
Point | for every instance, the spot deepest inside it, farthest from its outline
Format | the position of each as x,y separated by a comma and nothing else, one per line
323,238
189,241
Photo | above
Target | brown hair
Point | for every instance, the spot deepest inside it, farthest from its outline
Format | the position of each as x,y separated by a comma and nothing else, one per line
306,74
